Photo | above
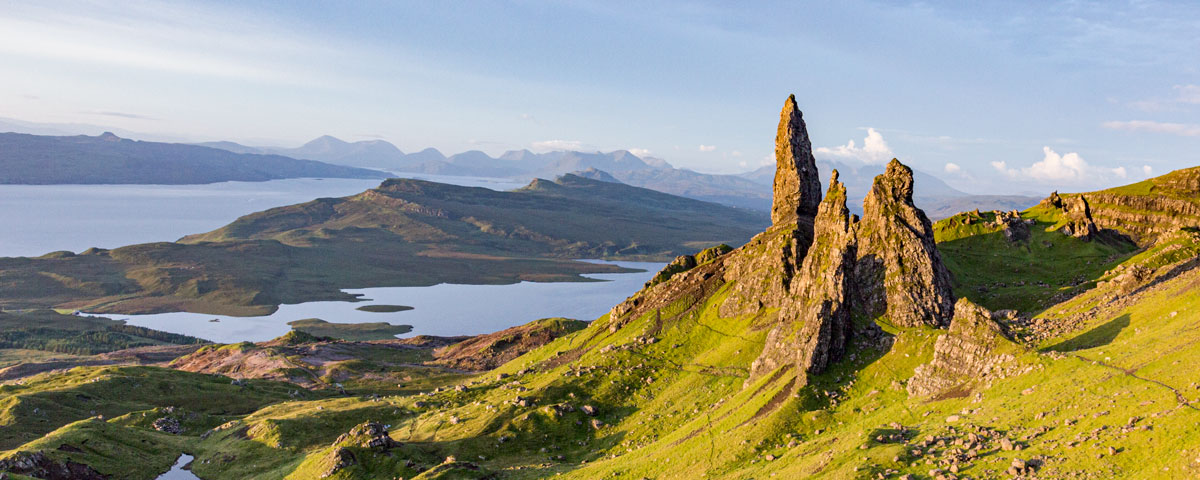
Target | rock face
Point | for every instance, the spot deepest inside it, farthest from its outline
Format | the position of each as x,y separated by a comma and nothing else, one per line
815,324
970,353
1142,212
900,272
797,188
1078,213
816,266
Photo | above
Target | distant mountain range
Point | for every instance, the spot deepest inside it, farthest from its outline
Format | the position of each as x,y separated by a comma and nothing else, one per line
34,159
750,190
109,159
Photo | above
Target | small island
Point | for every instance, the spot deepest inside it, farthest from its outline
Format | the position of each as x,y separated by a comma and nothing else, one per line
359,332
384,308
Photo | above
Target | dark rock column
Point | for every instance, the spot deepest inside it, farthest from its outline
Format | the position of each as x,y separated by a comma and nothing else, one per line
797,188
815,324
900,272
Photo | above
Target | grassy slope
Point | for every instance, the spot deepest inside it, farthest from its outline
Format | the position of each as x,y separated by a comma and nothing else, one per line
1028,276
53,332
677,408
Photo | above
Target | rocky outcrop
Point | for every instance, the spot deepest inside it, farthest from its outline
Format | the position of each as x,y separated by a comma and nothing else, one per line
805,275
39,465
488,351
814,325
975,351
762,270
369,436
797,188
1142,212
684,263
900,272
1015,228
1078,214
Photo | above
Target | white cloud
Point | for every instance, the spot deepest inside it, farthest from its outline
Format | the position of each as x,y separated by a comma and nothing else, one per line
952,167
736,153
1188,93
1181,129
707,148
1147,170
641,152
874,150
550,145
1055,168
164,37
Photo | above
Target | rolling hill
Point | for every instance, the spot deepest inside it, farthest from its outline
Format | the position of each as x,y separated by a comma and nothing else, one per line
406,232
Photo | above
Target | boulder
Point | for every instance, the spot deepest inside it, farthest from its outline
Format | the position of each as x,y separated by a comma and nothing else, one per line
975,350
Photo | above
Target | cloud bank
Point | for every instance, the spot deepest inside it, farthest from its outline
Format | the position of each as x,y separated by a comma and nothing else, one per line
1059,169
874,150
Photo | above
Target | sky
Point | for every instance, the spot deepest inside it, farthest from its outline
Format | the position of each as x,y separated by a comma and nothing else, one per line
1005,97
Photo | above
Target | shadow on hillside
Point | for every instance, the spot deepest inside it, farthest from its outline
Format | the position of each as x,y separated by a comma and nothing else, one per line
1096,337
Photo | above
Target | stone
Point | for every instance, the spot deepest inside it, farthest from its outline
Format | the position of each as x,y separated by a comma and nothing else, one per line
797,188
167,425
900,273
814,325
589,410
965,355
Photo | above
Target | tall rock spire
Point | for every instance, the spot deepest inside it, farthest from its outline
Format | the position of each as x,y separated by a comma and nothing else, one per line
797,188
900,272
814,325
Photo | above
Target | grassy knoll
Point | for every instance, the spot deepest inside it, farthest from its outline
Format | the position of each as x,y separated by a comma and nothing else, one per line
350,331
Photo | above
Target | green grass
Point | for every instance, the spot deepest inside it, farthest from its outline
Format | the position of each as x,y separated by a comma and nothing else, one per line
1028,276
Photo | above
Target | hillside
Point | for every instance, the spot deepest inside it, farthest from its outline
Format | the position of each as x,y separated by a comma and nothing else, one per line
404,233
828,346
108,159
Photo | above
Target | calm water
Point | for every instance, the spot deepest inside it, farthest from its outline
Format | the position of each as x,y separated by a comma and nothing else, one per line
38,219
445,309
177,472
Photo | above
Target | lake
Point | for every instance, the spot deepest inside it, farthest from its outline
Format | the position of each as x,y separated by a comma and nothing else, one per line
38,219
444,309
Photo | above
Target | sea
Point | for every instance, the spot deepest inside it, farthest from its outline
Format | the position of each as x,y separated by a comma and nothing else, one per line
37,219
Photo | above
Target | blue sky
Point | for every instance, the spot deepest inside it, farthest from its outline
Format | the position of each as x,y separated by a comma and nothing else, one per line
1005,97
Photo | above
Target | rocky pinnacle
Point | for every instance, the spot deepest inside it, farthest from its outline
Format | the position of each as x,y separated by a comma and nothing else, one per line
797,188
900,272
814,325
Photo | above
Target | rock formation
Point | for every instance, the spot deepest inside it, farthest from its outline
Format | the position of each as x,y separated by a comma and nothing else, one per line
814,325
900,272
1079,216
816,265
974,351
797,188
